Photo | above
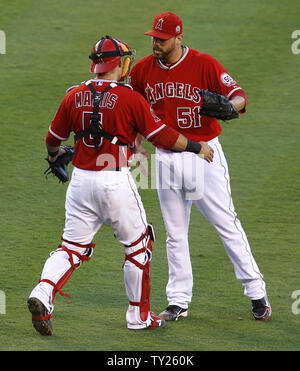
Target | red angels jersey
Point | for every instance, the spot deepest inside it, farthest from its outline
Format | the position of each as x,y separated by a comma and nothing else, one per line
122,113
173,91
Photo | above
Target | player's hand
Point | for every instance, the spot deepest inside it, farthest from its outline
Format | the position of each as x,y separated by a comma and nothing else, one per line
206,152
142,150
61,151
141,159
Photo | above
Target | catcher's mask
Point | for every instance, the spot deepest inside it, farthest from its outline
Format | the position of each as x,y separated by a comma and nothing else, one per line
107,53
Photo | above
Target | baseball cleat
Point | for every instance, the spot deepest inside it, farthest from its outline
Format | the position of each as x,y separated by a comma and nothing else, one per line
155,322
173,312
40,317
261,309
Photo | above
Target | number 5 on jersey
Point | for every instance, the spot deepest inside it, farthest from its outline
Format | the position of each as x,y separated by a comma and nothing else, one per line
86,118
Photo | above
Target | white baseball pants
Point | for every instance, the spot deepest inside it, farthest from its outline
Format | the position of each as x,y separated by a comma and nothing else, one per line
184,179
94,198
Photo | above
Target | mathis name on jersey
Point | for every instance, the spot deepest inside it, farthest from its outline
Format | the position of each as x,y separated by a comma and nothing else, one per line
85,99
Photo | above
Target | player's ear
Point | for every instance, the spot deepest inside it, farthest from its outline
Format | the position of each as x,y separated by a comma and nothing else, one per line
179,38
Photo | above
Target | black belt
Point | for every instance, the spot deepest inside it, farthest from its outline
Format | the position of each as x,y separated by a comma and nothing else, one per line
116,169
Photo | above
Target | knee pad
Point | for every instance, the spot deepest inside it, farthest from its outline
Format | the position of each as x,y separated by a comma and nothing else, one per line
62,263
83,252
144,244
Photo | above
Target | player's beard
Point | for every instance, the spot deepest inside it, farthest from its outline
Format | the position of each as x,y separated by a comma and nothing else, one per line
163,56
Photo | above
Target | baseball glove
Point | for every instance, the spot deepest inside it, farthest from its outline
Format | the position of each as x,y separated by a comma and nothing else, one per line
218,106
59,167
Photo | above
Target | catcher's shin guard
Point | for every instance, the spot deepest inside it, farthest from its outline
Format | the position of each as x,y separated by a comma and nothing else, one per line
58,269
138,282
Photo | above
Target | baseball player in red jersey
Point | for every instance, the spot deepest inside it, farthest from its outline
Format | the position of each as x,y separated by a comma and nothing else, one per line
171,80
102,189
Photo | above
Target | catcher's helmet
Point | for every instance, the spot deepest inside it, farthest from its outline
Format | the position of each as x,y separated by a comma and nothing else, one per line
107,53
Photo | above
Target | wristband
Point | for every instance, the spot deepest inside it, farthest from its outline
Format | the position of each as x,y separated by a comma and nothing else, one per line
193,146
53,154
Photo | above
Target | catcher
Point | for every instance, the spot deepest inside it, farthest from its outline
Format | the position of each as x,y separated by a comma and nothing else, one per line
105,116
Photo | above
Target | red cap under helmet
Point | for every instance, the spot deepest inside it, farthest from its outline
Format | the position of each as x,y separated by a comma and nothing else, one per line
107,53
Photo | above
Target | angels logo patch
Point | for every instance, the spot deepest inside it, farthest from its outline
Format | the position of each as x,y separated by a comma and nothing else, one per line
156,119
227,79
159,24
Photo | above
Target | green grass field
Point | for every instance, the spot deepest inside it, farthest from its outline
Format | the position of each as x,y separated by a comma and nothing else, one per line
47,48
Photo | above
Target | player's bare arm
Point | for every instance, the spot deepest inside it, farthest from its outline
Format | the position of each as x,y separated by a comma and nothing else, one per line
202,148
239,102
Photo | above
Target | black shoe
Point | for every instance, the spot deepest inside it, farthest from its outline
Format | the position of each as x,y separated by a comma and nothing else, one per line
173,312
40,317
261,309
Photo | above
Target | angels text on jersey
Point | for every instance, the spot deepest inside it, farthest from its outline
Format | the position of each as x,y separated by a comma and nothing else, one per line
170,89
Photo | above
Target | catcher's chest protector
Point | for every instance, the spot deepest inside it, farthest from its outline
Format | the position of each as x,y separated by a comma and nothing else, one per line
94,130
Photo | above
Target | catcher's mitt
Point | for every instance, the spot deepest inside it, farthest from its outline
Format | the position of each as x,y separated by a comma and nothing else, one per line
218,106
59,167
